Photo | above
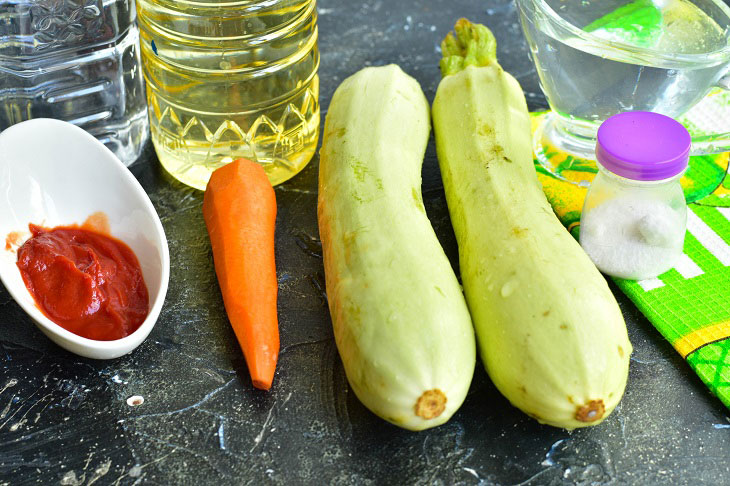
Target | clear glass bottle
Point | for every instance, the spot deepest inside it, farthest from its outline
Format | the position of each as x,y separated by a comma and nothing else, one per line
229,79
78,61
635,215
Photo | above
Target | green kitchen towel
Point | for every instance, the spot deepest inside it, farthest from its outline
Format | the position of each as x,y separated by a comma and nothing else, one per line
690,304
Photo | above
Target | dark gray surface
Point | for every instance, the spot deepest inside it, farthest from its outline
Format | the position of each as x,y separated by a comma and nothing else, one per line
65,420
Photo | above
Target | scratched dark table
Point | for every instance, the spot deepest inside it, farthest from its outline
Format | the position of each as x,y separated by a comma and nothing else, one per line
65,420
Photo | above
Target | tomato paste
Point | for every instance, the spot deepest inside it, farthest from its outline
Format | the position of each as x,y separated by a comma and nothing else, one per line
84,281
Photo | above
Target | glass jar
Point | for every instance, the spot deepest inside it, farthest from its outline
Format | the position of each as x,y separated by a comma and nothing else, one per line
78,61
635,216
229,79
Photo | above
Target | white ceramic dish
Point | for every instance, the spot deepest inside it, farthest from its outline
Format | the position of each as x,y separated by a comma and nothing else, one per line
54,173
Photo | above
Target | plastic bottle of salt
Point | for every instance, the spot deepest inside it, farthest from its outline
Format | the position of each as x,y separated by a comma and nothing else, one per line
634,216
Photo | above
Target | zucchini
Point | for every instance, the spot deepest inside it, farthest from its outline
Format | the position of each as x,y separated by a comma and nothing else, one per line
550,332
399,317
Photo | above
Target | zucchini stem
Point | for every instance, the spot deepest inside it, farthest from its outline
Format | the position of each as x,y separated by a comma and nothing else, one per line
591,411
430,404
473,45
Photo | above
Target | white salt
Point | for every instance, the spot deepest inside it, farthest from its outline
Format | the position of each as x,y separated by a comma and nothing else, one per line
634,238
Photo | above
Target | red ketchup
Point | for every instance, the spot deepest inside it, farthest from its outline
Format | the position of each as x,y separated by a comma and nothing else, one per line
84,281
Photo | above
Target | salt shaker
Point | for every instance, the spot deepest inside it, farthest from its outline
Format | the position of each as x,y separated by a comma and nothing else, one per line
635,216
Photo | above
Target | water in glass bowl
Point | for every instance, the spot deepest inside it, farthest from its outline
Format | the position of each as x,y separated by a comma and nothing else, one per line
596,58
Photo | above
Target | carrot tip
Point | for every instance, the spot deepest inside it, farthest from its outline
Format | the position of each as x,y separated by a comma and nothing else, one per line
262,385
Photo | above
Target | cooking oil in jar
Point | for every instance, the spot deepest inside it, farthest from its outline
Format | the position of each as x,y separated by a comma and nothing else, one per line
229,79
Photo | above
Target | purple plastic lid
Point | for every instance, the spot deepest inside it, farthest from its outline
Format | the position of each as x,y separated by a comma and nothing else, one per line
643,146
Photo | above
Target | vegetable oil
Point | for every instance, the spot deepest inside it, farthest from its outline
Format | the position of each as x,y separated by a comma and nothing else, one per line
229,79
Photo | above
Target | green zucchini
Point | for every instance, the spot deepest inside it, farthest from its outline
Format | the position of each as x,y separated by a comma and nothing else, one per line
400,320
550,332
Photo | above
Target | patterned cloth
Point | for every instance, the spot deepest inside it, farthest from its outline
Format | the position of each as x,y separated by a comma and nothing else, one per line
690,304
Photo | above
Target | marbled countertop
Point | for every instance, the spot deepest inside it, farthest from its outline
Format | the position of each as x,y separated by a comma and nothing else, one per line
65,420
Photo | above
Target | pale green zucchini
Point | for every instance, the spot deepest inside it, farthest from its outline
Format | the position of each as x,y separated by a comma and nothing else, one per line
550,332
400,320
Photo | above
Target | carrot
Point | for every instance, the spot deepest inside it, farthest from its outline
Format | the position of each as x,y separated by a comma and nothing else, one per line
239,208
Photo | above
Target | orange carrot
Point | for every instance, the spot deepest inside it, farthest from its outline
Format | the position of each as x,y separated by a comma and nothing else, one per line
239,208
